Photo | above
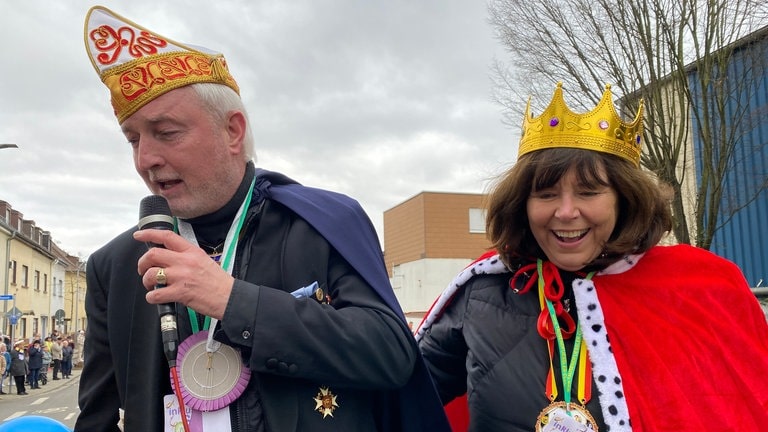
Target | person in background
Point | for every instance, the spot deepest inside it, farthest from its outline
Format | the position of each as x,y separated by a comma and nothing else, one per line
19,368
283,285
66,359
35,358
5,365
578,319
56,355
46,364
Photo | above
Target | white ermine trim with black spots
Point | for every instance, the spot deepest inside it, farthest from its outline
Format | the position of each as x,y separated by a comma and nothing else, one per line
490,265
604,368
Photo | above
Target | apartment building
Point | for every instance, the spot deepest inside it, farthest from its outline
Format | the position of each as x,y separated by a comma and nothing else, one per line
42,286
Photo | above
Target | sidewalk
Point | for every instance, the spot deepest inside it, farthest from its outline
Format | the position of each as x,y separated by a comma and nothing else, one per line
74,379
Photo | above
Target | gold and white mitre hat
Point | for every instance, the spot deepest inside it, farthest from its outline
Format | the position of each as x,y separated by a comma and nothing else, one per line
138,65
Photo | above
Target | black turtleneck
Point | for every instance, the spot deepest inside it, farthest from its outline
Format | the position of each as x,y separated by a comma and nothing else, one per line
211,229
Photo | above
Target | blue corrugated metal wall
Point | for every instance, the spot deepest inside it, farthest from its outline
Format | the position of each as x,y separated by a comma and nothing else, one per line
743,238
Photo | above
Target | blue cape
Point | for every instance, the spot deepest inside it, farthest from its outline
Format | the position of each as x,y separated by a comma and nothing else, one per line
344,224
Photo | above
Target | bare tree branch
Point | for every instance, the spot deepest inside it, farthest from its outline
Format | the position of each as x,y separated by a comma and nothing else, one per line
676,55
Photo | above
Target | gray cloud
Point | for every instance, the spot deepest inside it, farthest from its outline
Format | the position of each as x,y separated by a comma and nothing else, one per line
376,99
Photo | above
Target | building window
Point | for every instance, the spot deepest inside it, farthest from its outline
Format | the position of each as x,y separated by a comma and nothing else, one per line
45,282
397,277
24,276
13,272
37,280
476,220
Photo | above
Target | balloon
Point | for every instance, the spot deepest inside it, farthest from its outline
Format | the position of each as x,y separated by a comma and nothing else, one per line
33,424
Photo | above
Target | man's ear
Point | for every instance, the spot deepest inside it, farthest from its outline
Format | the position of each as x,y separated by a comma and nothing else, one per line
236,127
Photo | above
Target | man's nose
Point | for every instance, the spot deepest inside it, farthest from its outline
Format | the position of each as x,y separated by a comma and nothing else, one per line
148,154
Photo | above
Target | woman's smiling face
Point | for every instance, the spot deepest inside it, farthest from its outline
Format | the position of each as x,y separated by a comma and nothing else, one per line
571,221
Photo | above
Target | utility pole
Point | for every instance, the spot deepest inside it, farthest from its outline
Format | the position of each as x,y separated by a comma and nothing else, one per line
77,293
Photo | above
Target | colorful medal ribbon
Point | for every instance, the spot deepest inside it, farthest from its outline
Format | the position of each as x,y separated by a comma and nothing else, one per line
212,374
579,353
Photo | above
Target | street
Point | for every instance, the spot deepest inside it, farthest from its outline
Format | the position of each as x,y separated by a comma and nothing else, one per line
56,400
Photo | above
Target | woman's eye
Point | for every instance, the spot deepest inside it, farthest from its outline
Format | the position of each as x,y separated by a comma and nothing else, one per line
544,195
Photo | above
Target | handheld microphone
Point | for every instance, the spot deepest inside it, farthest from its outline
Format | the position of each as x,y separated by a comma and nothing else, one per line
154,213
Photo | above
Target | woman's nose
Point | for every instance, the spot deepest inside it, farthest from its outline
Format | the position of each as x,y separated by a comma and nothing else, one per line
567,208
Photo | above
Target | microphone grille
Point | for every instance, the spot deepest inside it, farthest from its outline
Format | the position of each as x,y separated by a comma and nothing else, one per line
154,212
153,205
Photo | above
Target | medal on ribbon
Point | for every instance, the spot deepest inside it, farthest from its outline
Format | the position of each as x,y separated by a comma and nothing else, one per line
212,374
563,416
210,379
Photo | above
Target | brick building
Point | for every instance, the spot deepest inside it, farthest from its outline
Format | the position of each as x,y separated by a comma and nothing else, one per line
428,239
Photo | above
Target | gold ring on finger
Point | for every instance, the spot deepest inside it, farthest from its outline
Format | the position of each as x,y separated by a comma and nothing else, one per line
160,277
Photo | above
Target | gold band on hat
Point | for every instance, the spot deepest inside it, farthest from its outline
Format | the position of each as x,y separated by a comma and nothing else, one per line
134,84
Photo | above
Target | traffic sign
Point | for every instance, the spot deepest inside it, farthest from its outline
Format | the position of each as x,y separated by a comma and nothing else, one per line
6,296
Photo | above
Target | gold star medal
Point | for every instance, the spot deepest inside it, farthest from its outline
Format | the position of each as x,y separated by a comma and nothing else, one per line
326,402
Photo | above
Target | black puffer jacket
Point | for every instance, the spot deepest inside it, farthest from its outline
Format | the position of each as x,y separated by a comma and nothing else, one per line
486,344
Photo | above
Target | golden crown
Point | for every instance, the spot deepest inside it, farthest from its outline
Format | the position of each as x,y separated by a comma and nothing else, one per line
600,129
138,65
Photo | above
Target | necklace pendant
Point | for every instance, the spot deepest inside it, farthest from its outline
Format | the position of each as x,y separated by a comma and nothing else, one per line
562,417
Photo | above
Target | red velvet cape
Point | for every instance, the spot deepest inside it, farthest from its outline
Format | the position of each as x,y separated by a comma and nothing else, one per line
690,341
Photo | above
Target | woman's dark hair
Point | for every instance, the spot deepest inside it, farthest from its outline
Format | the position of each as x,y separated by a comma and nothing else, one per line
643,211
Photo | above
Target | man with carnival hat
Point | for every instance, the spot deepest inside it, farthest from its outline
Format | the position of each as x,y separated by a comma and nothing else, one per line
277,292
19,368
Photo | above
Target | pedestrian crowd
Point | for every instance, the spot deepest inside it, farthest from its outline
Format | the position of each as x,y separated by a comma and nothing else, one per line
27,362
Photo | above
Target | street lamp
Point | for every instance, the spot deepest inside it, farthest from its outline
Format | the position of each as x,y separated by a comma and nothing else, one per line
2,146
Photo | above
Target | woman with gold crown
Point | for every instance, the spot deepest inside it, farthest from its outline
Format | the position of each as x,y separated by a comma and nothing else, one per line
579,320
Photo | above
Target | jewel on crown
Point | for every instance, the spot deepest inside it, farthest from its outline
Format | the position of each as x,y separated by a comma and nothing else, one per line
600,129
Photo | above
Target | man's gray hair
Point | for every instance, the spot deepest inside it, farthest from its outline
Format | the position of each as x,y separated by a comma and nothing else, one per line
220,100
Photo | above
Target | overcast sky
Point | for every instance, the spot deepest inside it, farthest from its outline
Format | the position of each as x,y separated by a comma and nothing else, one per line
379,100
